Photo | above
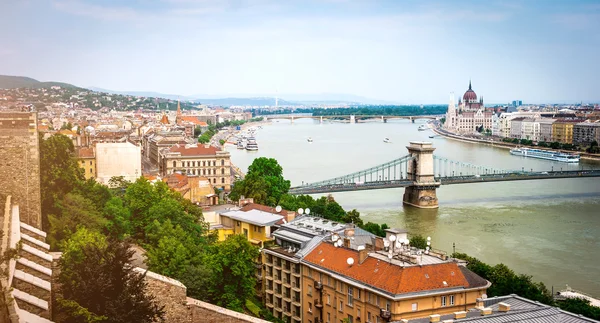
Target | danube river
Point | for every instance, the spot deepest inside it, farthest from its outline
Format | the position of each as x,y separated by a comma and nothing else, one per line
546,228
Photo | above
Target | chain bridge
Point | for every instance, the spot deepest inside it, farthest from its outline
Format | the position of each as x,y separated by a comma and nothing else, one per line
421,173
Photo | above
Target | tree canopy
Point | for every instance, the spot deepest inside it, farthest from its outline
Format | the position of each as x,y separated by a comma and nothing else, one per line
264,182
96,284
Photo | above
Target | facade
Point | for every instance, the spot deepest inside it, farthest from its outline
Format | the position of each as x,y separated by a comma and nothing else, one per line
470,114
20,164
562,130
164,139
196,189
365,286
87,161
118,159
515,127
545,129
530,129
202,160
585,133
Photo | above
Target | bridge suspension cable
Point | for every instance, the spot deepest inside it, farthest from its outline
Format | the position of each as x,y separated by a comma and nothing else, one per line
444,167
391,171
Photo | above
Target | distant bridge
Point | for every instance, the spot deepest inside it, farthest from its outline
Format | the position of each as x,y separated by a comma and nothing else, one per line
421,173
351,118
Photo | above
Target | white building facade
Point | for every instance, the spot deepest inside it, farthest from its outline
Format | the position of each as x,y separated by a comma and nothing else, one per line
118,159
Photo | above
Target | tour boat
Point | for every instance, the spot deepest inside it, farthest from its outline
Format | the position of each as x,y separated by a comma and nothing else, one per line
251,144
432,136
387,140
309,139
240,144
545,154
423,127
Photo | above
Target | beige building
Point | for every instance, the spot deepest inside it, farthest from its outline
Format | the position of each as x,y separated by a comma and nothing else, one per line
118,159
197,159
562,130
365,286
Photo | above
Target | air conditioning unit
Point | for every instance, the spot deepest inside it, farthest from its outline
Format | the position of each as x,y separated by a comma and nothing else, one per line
318,285
384,314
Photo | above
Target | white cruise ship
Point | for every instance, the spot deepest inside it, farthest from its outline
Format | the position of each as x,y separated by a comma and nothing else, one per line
251,144
545,154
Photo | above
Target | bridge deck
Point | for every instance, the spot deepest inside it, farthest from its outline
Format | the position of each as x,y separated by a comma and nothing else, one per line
516,176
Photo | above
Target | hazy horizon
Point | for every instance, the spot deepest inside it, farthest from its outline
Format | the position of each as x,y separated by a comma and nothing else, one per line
408,52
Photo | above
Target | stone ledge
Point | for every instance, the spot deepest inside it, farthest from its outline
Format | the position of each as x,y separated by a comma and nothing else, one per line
30,299
35,241
156,276
37,253
29,278
223,311
26,317
33,229
33,265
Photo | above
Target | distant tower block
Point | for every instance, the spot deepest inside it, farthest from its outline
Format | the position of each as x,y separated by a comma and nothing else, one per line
422,193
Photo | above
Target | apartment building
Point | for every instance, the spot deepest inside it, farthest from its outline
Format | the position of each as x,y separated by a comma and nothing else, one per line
530,129
198,159
86,159
369,286
545,129
118,159
584,133
515,127
562,130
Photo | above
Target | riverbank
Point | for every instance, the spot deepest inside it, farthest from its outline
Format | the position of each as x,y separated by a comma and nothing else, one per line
507,145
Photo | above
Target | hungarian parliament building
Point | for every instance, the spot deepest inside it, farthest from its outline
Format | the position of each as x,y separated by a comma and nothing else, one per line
469,115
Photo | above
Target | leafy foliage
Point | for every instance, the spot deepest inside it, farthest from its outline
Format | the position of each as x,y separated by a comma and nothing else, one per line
264,182
418,241
580,306
59,173
98,285
505,281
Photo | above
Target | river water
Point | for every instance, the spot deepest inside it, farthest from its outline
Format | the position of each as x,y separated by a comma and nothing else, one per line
549,229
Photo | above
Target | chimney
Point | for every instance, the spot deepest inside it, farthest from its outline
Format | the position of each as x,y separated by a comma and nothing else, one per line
503,307
479,303
362,255
347,242
377,243
206,145
486,311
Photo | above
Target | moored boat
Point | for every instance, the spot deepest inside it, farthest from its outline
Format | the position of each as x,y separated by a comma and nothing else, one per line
545,154
423,127
309,139
251,144
387,140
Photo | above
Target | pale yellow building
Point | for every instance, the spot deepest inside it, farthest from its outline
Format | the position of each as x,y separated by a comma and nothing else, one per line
562,131
86,159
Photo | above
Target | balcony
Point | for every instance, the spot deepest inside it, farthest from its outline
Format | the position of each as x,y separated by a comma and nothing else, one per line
286,281
296,317
318,304
277,279
257,265
385,315
287,311
269,291
296,272
287,296
277,264
318,285
271,305
296,300
295,286
287,267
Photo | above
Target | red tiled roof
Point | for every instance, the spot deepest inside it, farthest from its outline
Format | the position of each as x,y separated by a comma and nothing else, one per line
85,152
193,120
199,150
385,276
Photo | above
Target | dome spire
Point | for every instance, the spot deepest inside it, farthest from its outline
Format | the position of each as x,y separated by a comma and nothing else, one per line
470,85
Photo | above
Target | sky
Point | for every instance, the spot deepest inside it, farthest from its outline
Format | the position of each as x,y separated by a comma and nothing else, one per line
410,52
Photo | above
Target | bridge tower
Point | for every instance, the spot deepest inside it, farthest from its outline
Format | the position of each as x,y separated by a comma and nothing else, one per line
422,193
321,119
352,119
292,119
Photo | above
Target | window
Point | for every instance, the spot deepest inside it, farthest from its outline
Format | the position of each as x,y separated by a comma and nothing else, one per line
328,317
328,299
310,307
214,181
309,290
91,171
387,306
350,295
443,301
369,296
90,163
222,180
368,316
174,164
415,307
451,300
358,314
238,223
222,162
341,309
222,171
204,163
377,300
350,319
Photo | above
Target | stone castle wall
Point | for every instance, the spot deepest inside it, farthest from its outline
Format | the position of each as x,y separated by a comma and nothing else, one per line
20,164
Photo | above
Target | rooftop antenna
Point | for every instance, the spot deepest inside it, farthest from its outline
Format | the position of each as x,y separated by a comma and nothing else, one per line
300,211
307,211
278,208
350,261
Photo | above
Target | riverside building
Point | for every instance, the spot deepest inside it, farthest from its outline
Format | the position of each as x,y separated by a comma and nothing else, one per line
325,272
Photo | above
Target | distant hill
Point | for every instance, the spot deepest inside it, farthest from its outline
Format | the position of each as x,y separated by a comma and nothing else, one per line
13,82
244,101
143,94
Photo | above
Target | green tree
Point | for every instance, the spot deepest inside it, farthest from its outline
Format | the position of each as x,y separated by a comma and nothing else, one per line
555,145
418,241
59,173
75,211
97,285
118,218
580,306
232,265
272,173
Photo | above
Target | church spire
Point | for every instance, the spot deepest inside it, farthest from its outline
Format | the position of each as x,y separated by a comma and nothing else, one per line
178,108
